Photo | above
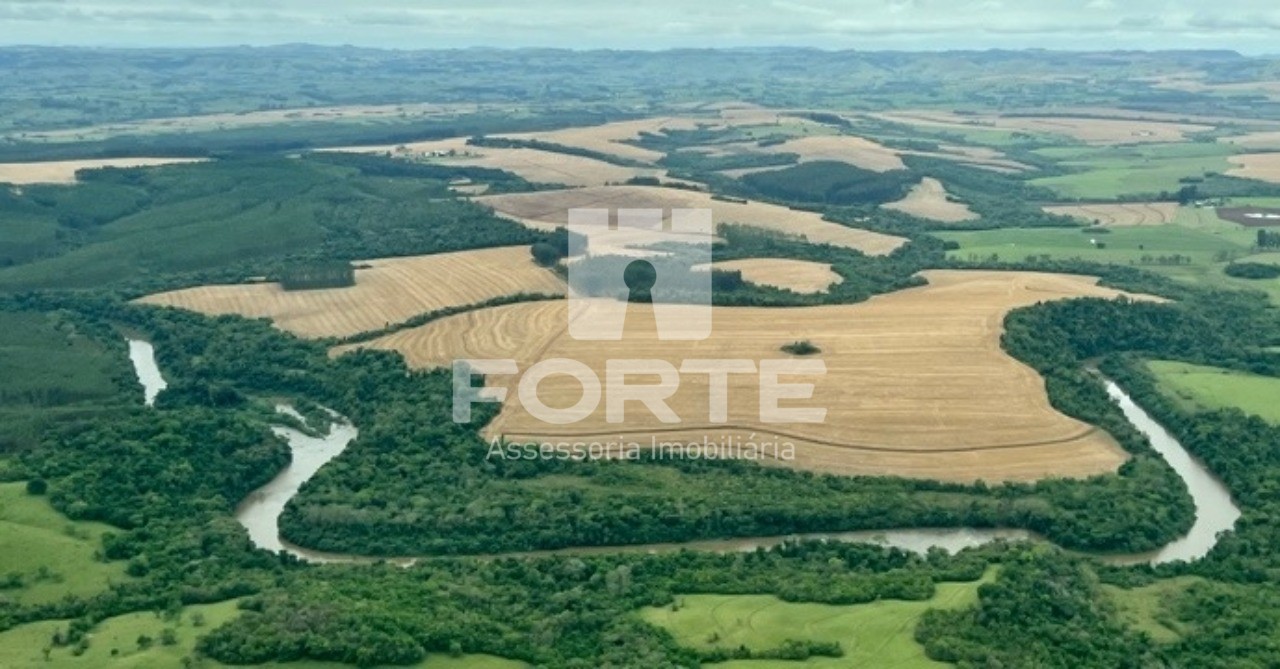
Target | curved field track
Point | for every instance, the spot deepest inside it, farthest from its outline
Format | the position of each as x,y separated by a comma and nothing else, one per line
390,291
801,276
64,171
916,383
928,199
1119,215
521,331
1260,166
545,210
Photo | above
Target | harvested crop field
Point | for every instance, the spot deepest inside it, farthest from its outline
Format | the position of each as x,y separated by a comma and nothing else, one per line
390,291
868,154
801,276
1089,130
545,167
1252,217
916,383
855,151
521,331
1119,215
610,137
1255,141
928,199
64,171
545,210
1260,166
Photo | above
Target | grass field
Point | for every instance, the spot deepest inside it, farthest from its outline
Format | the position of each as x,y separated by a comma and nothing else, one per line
22,647
928,199
1146,608
916,383
548,209
1205,242
1123,246
1112,171
34,537
64,171
877,634
1215,388
390,291
113,644
801,276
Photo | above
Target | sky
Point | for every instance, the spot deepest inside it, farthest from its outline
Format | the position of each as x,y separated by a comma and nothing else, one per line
1249,26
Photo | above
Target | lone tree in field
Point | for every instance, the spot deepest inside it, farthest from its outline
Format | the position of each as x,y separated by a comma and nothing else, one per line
802,347
545,254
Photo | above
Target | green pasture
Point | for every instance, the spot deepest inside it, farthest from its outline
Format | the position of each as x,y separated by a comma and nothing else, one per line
876,634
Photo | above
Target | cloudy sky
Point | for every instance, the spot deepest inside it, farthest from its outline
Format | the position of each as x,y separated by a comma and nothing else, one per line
1251,26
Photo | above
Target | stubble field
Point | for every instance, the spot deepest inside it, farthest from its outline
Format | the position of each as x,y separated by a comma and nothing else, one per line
390,291
801,276
1260,166
64,171
916,383
544,167
546,210
928,199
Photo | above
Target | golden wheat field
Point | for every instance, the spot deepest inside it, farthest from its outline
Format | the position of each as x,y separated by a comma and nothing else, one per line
64,171
1119,215
801,276
389,291
916,383
548,209
1089,130
1260,166
928,199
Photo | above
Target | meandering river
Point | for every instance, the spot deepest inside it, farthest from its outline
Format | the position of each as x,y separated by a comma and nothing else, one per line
260,511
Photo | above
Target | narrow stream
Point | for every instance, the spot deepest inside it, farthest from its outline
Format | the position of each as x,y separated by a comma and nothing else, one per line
260,511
